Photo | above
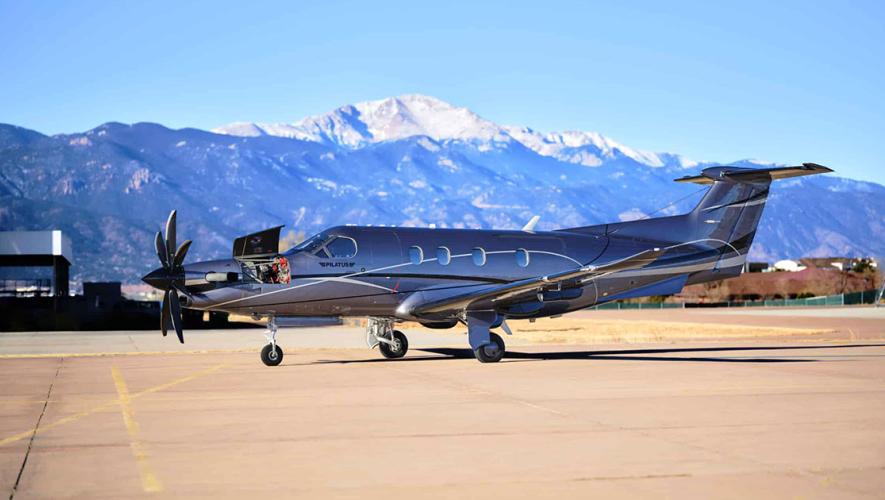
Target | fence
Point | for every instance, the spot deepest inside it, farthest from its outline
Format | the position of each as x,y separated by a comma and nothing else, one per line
842,299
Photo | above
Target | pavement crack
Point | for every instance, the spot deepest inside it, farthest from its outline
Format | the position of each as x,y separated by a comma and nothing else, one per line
21,470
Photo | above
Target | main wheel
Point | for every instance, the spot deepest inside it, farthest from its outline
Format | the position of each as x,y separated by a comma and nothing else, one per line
397,349
491,353
271,357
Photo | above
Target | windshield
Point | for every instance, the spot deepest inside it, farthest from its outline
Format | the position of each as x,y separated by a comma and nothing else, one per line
327,246
308,245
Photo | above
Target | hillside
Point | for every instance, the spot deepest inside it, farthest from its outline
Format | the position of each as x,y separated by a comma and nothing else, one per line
412,160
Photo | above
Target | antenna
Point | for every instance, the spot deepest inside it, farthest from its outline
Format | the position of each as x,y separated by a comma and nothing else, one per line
530,225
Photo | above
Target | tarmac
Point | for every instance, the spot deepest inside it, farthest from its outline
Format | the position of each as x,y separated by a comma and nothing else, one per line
131,414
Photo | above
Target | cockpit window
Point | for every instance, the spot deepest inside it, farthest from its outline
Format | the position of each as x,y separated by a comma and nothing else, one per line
327,246
341,247
309,245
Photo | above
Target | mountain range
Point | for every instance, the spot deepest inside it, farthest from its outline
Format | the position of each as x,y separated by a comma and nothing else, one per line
411,160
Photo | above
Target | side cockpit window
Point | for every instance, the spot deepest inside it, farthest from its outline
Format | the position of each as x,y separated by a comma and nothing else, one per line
341,247
325,246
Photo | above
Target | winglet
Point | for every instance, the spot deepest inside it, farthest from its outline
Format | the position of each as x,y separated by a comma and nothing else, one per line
530,225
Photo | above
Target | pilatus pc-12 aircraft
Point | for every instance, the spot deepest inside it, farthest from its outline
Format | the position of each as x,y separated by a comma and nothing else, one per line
481,278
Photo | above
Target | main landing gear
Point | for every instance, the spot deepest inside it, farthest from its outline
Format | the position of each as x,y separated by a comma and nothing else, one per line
488,347
271,354
392,343
491,352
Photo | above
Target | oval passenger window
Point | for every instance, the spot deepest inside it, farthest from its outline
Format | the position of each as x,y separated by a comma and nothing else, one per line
443,256
416,255
479,256
522,257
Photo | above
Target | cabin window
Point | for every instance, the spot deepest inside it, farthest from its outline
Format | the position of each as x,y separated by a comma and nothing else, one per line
522,257
479,256
341,247
416,255
443,255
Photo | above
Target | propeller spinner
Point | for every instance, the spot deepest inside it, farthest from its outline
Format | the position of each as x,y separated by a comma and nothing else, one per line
169,277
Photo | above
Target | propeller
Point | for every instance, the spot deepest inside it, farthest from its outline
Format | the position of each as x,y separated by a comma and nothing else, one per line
169,277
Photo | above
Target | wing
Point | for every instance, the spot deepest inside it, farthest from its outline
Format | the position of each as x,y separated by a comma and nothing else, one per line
505,291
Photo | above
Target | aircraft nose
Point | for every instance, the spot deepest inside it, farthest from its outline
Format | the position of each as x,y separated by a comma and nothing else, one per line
158,278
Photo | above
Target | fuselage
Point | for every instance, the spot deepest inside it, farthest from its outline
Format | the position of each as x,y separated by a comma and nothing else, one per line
372,271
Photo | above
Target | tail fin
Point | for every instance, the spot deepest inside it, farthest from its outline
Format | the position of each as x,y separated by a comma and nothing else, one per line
730,211
725,219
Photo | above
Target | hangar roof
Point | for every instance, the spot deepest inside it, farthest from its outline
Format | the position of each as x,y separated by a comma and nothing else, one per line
36,243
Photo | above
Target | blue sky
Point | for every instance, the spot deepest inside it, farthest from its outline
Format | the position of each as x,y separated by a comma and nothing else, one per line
779,81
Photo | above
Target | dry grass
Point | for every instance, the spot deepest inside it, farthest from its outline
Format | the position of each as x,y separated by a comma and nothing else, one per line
577,330
590,331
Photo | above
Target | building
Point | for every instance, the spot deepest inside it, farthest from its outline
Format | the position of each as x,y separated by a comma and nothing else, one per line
791,266
35,263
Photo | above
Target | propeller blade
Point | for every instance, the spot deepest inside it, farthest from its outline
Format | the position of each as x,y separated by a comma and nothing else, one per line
175,307
164,314
161,250
182,251
170,236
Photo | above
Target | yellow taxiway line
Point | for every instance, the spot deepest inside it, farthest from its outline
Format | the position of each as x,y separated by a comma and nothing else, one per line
122,353
149,481
85,413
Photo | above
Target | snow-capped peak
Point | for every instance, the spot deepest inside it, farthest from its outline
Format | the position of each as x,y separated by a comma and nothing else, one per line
572,146
410,115
388,119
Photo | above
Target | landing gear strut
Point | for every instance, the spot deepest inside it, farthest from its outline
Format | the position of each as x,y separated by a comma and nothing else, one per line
271,354
392,343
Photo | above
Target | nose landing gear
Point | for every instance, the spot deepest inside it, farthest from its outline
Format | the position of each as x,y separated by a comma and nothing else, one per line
271,354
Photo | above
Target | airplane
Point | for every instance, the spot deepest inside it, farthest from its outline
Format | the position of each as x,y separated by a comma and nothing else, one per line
441,277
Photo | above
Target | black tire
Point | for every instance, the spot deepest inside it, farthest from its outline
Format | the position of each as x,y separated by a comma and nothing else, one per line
398,350
270,358
491,353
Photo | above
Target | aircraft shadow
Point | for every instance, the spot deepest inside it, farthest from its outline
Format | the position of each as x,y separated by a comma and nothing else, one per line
449,353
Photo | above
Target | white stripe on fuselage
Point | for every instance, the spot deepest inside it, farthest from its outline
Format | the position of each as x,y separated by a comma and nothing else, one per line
644,272
733,204
347,278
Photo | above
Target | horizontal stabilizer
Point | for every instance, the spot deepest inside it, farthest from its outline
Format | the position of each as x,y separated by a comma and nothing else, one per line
739,174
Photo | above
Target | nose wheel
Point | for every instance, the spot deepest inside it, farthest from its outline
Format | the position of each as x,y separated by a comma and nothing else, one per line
271,355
